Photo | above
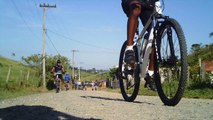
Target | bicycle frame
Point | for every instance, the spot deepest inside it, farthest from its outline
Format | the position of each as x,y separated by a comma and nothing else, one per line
144,58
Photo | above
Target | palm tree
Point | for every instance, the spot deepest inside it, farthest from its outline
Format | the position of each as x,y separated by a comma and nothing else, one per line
211,34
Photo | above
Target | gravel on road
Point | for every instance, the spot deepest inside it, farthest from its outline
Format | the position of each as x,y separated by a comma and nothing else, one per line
98,105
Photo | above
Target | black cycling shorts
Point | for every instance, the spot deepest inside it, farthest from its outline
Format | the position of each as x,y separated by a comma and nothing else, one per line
146,9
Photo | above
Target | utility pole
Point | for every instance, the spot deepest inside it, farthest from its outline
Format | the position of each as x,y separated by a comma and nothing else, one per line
79,71
73,55
44,40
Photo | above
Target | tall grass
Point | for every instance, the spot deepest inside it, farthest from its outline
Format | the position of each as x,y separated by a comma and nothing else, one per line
199,90
16,78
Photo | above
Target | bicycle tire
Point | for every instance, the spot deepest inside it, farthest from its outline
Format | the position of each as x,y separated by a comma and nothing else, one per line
67,86
128,97
57,85
165,67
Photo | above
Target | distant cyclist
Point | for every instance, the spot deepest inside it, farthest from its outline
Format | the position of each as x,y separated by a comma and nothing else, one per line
135,9
67,80
58,69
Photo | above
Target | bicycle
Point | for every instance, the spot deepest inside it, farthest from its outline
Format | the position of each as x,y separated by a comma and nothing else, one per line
58,82
67,86
170,62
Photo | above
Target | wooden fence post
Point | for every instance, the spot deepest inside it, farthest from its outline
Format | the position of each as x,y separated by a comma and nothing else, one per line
20,81
8,74
28,74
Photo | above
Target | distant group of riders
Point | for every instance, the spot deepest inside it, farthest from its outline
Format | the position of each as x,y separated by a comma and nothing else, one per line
58,71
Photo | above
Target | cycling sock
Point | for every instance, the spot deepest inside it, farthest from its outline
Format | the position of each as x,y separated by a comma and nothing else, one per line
129,47
151,72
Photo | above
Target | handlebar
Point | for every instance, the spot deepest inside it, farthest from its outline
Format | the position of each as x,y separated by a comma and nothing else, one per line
58,73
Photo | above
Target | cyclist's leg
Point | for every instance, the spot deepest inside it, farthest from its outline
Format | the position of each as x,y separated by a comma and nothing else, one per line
132,10
135,10
150,75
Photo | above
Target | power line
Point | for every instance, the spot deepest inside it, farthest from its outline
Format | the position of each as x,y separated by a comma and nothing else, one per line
52,44
55,21
33,8
20,14
91,45
71,39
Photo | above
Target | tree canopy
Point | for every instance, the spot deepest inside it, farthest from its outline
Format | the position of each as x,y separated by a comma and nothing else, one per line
211,34
35,61
204,52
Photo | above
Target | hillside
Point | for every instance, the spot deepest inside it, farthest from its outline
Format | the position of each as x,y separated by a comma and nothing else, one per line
22,73
16,79
15,73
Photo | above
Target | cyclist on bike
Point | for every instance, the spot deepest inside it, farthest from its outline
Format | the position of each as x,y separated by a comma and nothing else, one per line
58,69
67,80
135,9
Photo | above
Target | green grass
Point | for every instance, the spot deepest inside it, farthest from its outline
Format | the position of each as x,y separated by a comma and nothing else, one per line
201,92
18,83
204,93
146,92
6,94
18,74
92,76
142,91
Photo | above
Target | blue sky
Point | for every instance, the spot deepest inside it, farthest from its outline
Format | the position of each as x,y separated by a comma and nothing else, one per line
97,28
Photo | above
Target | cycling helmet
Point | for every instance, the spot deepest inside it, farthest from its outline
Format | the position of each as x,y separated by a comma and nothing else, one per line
58,61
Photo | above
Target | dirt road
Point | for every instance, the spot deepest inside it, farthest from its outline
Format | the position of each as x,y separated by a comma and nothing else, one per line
96,105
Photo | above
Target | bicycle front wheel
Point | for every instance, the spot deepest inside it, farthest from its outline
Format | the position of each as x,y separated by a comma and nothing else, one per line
170,62
128,76
57,85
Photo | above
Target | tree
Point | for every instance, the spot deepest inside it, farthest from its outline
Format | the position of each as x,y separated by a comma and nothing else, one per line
196,47
35,61
113,72
51,61
211,34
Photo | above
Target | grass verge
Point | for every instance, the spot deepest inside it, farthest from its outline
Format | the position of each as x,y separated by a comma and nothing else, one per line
6,94
190,92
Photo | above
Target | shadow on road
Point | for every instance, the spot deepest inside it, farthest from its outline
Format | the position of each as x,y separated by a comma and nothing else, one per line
23,112
117,99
